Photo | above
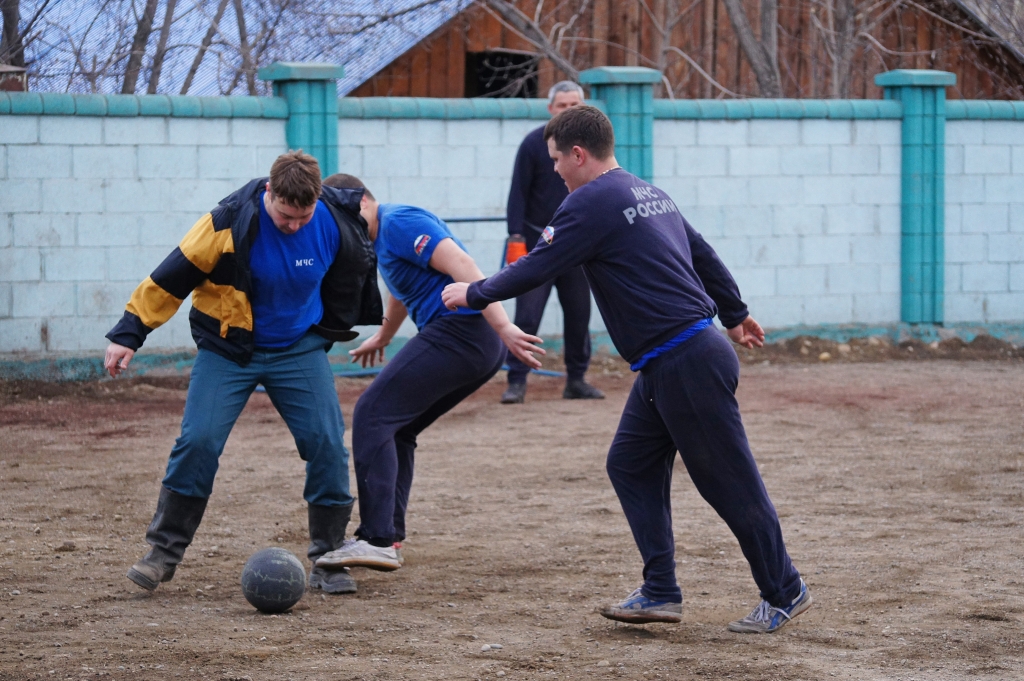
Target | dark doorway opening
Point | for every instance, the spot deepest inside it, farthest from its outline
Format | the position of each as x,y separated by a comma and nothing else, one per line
501,74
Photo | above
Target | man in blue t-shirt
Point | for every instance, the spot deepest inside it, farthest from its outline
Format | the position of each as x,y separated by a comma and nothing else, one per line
452,355
658,284
277,272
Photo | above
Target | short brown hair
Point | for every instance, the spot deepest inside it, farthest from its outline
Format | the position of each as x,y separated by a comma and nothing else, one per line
343,181
582,126
295,179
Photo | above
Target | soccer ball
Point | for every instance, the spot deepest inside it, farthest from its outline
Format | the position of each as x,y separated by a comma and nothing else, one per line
273,580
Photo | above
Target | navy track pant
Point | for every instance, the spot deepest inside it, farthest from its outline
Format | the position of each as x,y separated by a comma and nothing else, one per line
446,362
685,401
574,296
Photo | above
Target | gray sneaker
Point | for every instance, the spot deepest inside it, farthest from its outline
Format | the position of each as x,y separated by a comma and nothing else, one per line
515,393
638,609
360,553
332,581
766,618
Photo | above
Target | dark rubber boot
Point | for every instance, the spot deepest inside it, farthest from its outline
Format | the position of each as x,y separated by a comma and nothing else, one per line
174,525
327,532
514,394
578,389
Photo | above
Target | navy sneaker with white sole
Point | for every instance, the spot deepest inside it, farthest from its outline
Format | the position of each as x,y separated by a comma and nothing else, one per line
766,618
638,609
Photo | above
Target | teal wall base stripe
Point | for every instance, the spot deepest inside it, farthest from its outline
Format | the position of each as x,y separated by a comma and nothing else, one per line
90,368
1011,332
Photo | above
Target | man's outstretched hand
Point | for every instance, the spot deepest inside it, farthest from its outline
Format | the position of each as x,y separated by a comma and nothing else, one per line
117,359
454,295
522,345
748,334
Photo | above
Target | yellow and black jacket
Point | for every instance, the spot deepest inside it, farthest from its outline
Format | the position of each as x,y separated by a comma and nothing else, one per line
212,263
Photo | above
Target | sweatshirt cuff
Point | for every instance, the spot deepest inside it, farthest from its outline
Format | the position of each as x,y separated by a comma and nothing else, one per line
129,332
733,318
475,297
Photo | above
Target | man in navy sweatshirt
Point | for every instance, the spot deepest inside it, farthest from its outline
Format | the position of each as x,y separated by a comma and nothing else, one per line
536,193
658,285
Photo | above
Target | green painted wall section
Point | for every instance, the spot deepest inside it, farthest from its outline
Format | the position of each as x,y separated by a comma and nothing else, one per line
981,110
627,94
312,96
745,109
923,194
442,109
64,104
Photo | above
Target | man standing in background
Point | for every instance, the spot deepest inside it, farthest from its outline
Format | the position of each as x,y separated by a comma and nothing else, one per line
536,193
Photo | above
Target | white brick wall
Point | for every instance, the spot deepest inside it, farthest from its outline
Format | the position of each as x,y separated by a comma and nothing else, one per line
804,212
984,221
89,206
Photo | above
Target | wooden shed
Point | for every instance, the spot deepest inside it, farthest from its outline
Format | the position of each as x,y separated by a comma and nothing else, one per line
694,44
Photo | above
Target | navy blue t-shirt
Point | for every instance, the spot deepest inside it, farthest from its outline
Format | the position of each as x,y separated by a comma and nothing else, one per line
406,239
287,270
652,274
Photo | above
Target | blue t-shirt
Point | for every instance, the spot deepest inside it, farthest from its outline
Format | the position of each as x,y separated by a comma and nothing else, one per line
406,239
287,270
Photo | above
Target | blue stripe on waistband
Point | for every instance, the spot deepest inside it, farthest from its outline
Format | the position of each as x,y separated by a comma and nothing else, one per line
686,335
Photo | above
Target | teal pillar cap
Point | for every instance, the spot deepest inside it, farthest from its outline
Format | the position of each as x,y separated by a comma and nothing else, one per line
915,77
619,75
290,70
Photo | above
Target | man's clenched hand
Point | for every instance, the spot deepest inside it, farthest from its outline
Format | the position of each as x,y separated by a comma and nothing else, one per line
454,295
117,358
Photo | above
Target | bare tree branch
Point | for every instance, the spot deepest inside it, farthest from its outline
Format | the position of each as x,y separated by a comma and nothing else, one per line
766,69
142,31
161,47
248,68
531,32
204,46
12,49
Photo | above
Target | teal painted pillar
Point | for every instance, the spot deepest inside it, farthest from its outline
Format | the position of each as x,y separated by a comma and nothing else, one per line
312,96
922,217
627,96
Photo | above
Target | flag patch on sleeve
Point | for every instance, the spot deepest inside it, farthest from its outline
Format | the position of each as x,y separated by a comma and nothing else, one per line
421,242
548,234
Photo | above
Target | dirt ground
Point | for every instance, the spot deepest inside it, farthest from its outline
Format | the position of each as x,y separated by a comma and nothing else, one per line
900,485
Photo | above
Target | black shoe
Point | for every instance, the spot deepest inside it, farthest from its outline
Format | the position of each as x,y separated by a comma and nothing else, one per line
514,394
174,525
332,581
578,389
327,526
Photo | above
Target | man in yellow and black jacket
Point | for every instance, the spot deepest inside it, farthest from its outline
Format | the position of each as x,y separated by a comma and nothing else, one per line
278,271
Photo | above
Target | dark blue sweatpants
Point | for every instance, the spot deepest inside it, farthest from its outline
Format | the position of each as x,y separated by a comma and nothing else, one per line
574,296
439,367
685,401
